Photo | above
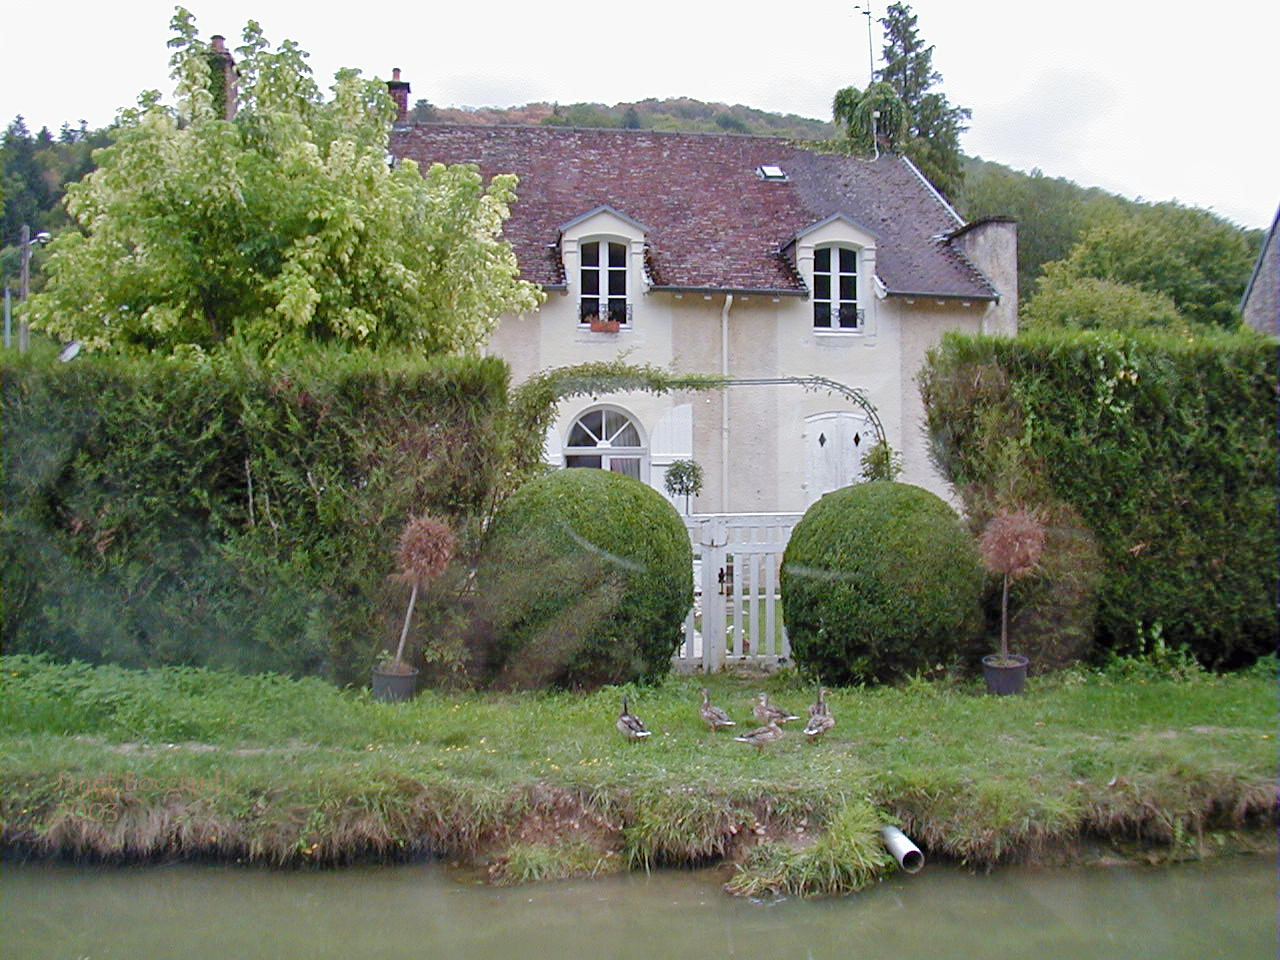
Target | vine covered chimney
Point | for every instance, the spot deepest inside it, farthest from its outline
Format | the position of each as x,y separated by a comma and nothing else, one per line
224,79
399,90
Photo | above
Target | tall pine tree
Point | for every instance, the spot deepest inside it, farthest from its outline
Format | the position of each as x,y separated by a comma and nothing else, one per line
910,118
934,125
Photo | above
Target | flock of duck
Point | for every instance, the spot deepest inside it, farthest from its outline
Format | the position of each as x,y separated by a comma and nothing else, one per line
770,716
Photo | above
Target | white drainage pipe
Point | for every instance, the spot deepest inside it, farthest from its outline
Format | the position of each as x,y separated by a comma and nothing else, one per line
904,851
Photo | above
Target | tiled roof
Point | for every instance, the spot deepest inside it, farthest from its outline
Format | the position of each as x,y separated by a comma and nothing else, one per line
713,222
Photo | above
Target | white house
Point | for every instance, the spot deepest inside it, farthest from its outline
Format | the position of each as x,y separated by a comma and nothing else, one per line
750,257
1260,305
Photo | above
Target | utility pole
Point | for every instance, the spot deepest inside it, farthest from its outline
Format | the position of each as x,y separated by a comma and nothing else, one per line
26,240
24,329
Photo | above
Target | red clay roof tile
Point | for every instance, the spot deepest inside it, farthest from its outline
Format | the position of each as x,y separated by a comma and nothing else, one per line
713,222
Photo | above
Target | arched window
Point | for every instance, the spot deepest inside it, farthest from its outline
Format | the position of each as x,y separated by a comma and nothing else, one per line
603,275
835,289
608,439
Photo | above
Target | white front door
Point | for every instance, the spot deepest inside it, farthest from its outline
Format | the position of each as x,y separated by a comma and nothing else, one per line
834,447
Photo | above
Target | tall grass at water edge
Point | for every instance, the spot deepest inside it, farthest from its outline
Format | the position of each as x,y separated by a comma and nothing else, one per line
306,772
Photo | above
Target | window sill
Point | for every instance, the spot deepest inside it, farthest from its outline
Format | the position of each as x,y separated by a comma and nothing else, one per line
843,339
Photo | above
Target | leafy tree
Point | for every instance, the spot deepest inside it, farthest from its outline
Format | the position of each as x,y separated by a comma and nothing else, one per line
881,462
34,172
282,226
920,122
1052,212
424,112
26,192
855,110
683,477
1090,303
1196,259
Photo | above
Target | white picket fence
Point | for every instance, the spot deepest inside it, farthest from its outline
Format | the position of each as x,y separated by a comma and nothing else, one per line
735,619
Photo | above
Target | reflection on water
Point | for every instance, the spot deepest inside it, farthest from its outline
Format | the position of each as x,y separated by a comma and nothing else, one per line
1219,909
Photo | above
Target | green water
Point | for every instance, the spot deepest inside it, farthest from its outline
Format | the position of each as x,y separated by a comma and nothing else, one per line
1221,909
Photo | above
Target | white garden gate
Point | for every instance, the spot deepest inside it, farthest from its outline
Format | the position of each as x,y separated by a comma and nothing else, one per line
736,619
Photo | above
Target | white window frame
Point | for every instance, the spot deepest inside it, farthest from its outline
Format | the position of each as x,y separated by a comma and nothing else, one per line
611,456
843,315
611,305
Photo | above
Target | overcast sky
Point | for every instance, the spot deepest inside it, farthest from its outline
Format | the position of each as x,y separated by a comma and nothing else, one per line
1169,100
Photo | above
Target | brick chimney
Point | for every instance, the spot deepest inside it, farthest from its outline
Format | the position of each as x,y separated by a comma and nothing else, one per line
399,90
225,77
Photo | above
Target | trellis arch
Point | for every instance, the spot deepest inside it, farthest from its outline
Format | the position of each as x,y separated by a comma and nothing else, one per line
855,396
535,402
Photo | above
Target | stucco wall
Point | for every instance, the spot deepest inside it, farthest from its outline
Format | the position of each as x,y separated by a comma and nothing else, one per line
922,324
766,468
992,247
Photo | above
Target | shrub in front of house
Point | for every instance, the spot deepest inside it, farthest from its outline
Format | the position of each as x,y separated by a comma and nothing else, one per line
228,513
880,580
1153,459
585,578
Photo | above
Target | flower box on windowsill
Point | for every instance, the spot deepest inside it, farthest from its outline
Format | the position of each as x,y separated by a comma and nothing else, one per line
605,326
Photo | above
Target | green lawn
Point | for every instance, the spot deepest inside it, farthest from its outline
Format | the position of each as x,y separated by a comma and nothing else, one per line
290,771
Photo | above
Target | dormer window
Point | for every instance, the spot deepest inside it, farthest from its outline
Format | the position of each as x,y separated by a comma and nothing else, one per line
835,289
603,265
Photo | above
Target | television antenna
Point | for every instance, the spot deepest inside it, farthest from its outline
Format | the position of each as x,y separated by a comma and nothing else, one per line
871,63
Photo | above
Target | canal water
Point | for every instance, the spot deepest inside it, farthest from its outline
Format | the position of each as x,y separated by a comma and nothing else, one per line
1220,909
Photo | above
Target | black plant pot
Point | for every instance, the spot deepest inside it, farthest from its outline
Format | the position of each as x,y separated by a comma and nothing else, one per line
394,687
1004,675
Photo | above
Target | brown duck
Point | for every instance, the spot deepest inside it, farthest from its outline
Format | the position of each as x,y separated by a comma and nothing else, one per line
714,717
766,712
631,726
761,737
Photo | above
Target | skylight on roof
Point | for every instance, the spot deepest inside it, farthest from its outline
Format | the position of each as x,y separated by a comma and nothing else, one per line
771,171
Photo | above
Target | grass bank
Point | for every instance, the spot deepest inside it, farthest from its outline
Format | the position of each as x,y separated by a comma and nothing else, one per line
115,764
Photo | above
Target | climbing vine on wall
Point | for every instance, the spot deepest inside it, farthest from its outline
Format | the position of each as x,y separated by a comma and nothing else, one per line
533,405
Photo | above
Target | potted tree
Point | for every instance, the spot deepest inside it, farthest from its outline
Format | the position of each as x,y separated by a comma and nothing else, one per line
424,552
1012,542
683,477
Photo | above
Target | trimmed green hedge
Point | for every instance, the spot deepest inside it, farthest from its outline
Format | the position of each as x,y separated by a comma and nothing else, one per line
879,580
225,513
1158,451
586,577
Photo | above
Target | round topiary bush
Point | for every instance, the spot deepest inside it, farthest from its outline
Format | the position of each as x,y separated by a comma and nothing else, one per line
879,580
585,578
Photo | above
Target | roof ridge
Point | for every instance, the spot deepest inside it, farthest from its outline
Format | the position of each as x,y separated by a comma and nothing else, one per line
1262,253
937,194
626,131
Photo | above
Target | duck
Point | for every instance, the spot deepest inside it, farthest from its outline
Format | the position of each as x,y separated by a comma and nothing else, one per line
818,724
715,717
766,712
631,726
761,737
819,709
